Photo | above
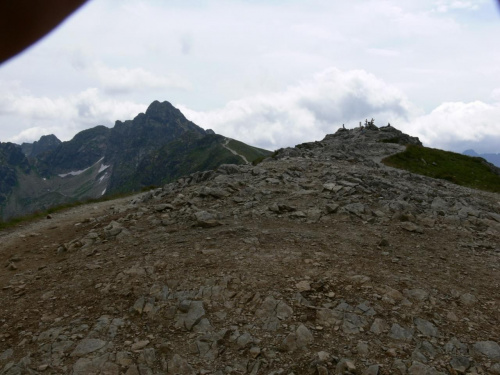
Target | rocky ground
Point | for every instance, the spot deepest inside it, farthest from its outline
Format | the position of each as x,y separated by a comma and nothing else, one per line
318,261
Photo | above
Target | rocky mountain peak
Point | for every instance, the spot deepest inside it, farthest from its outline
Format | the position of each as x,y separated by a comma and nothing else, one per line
153,148
163,111
363,143
44,144
372,133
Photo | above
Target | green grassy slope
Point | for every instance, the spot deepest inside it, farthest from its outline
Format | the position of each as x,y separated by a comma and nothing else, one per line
460,169
249,152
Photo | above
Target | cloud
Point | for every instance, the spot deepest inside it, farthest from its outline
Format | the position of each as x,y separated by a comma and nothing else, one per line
307,111
186,41
124,80
444,6
319,106
33,134
458,125
495,95
63,116
383,52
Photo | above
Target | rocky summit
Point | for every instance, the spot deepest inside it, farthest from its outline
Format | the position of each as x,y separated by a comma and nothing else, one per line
319,260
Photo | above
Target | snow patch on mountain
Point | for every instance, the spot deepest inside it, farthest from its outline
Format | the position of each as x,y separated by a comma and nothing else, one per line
103,168
76,173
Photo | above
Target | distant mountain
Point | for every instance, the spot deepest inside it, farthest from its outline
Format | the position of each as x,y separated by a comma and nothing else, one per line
12,162
492,158
154,148
46,143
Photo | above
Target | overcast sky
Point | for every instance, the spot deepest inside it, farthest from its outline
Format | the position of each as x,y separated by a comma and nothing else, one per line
271,73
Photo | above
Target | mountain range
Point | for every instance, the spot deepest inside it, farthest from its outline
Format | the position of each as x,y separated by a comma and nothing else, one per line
492,158
154,148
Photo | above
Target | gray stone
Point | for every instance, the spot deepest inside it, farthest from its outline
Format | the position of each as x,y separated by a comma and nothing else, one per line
195,313
179,366
148,356
468,299
365,309
399,367
454,346
345,365
439,204
203,326
416,294
489,349
62,346
418,368
399,333
353,323
124,358
355,208
426,327
283,311
113,229
329,317
460,364
139,345
138,306
298,339
495,369
85,366
144,369
379,326
426,346
372,370
87,346
362,348
244,340
418,356
133,370
303,286
50,334
331,208
6,354
411,227
206,219
163,207
304,336
213,192
313,214
332,187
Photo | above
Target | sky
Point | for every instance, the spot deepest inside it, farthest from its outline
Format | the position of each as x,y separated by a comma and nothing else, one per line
271,73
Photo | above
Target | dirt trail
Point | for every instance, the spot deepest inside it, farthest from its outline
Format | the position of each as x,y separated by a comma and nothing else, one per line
225,145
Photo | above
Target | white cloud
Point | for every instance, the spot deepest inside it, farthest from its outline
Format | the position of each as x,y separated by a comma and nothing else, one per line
303,112
251,55
124,80
383,52
186,41
457,125
321,105
33,134
64,116
495,95
444,6
307,111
